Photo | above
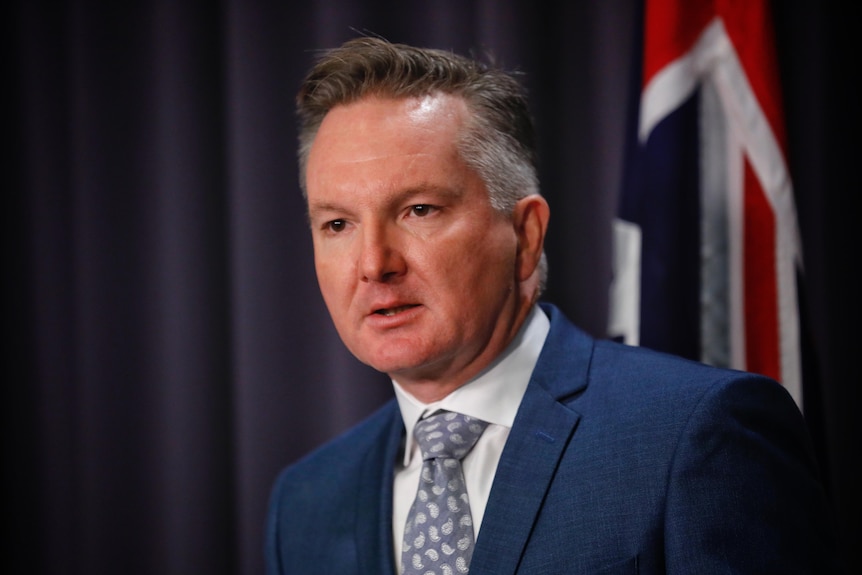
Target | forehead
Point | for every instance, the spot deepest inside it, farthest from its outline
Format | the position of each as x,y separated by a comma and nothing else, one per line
397,138
376,125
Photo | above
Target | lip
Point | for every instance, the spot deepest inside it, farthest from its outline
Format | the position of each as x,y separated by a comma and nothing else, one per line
396,314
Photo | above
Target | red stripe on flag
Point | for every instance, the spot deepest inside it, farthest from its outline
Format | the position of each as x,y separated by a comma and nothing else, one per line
671,28
760,289
749,27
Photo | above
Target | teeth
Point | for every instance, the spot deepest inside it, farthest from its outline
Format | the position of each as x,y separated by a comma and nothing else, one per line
392,311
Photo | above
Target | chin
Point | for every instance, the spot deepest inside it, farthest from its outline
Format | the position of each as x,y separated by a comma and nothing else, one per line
393,366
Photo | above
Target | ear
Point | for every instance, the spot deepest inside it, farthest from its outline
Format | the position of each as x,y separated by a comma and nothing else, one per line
530,218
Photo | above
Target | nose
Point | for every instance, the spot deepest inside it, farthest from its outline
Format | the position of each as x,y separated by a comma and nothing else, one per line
380,258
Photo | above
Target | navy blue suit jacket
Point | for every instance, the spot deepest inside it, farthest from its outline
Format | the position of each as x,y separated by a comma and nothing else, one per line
620,460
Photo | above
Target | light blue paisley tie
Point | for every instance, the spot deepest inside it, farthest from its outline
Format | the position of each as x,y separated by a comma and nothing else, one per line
438,536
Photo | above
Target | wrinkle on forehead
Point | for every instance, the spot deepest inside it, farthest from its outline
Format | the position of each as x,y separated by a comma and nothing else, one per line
383,157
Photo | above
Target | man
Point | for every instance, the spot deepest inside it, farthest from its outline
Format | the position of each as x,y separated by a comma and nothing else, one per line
590,457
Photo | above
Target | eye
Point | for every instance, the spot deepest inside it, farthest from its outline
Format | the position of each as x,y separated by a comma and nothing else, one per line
421,210
335,225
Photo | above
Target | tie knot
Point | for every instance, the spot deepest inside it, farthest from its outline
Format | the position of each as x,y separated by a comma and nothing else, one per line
448,435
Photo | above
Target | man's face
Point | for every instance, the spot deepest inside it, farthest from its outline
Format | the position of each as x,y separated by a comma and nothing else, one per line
418,271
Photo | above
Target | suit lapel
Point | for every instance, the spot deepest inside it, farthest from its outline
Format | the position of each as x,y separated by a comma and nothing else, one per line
530,459
539,437
374,501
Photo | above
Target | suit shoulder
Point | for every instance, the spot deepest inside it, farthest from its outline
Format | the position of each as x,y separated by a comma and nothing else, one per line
640,363
590,371
633,373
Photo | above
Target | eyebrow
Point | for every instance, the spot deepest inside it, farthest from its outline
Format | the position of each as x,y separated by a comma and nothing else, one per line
445,192
396,198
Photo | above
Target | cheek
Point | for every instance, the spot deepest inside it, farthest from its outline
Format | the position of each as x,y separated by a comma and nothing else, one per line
476,238
493,248
482,266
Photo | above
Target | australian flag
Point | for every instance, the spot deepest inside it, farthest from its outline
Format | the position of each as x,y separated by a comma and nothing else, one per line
707,246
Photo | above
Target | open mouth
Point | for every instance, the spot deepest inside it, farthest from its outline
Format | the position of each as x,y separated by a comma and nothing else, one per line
389,312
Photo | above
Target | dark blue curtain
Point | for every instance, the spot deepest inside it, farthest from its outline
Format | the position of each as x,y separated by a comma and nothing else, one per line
167,349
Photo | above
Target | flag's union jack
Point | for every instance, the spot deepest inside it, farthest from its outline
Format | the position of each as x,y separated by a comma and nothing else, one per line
707,245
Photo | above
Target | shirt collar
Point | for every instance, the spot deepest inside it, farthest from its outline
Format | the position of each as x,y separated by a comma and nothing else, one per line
495,394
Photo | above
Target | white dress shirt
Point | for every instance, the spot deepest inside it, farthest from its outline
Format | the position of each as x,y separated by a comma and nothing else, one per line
493,396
